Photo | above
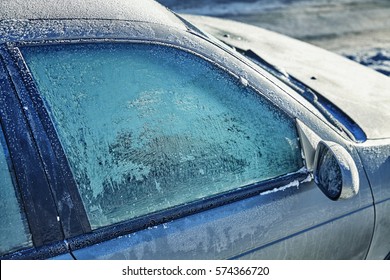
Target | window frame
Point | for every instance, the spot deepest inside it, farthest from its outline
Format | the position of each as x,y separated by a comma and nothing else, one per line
30,178
70,214
77,240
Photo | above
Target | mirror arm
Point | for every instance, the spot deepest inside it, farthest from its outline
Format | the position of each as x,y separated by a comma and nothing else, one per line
309,142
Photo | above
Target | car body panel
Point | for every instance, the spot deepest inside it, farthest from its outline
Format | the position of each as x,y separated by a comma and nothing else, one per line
376,160
131,10
254,228
358,91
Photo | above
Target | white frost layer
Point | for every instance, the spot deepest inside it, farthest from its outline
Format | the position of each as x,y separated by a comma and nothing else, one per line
295,183
244,81
133,10
292,184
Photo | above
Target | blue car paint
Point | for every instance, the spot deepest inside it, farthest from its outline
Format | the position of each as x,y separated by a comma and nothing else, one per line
300,218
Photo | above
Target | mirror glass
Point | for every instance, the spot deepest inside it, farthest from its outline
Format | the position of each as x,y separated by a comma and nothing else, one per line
328,174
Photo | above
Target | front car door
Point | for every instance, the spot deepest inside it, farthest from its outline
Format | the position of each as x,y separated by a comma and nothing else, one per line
175,156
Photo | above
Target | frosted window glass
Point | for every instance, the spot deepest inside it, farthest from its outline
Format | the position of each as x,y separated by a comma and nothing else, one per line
148,127
14,232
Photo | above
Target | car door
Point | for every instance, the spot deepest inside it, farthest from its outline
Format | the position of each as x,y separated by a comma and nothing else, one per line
175,157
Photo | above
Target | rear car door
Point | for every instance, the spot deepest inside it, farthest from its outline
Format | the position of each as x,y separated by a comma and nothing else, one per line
176,157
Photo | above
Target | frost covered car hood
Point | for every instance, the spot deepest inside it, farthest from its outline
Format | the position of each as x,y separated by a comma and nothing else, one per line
361,93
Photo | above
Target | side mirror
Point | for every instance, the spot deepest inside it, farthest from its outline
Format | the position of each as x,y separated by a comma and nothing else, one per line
335,171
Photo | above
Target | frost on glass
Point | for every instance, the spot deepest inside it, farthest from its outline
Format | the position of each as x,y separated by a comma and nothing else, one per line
148,127
14,233
328,175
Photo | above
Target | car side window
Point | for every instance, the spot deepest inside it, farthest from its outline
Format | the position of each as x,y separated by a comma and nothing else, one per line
14,231
147,127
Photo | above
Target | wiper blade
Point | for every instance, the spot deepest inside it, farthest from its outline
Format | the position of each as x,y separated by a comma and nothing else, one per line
331,112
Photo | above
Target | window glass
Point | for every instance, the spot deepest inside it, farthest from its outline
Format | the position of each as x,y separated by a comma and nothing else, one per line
147,127
14,232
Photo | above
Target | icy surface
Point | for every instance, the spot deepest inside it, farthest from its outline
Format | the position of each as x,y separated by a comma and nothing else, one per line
17,30
292,184
149,11
13,230
329,176
148,127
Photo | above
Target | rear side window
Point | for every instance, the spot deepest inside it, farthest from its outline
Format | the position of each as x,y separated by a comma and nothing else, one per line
148,127
14,232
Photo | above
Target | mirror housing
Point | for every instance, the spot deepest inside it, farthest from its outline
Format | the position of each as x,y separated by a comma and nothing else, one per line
335,172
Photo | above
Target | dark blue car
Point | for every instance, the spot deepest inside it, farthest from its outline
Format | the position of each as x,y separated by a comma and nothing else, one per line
128,132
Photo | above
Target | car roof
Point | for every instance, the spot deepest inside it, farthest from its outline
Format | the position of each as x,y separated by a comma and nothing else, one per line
129,10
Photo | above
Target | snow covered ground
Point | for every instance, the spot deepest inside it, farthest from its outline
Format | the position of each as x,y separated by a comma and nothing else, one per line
357,29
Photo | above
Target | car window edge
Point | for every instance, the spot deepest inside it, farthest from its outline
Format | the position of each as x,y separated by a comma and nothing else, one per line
182,211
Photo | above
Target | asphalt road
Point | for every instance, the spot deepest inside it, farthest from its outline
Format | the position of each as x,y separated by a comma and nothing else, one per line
357,29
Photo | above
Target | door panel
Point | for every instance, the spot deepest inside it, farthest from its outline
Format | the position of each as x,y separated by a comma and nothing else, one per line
341,238
295,223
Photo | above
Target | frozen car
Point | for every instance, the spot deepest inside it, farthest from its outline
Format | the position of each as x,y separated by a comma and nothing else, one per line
129,133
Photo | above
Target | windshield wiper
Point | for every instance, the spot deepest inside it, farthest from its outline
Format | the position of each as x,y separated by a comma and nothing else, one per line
331,112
